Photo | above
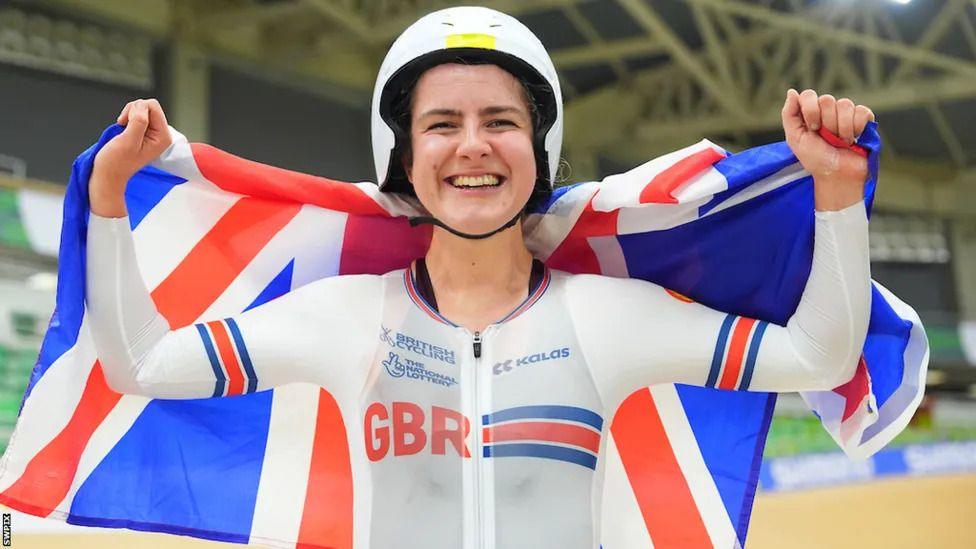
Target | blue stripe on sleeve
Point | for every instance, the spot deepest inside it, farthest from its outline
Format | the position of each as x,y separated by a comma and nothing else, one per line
214,363
571,413
719,354
541,451
252,378
753,353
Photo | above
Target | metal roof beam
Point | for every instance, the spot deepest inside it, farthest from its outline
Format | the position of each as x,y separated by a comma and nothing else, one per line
951,11
587,55
879,100
655,26
948,136
806,26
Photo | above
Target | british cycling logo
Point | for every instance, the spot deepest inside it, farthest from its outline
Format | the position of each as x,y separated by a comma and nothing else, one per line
399,367
508,365
422,348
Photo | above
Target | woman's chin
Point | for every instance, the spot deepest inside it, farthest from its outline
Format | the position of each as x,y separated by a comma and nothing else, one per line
478,225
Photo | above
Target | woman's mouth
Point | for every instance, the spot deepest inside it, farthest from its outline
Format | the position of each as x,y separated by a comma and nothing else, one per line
475,182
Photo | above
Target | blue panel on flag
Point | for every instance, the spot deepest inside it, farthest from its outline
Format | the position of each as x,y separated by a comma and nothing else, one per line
730,428
694,256
190,464
277,287
145,190
62,331
884,349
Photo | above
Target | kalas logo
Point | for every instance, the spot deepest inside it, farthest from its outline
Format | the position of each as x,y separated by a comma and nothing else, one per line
508,365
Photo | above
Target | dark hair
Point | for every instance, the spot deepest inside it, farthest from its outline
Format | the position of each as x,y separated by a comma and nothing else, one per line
401,114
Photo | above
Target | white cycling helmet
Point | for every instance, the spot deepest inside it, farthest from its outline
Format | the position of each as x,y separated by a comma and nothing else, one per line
469,35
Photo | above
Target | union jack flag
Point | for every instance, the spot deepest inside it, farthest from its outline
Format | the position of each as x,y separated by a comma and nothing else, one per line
216,235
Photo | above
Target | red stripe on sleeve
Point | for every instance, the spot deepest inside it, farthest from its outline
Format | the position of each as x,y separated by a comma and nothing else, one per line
543,430
662,493
737,349
235,377
48,476
659,189
219,257
327,519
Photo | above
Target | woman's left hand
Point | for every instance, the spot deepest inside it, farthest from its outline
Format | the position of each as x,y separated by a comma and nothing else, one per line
839,174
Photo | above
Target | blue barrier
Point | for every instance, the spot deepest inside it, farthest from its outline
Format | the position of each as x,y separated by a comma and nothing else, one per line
832,469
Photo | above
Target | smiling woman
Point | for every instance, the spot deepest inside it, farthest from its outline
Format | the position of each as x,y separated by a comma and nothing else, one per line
485,403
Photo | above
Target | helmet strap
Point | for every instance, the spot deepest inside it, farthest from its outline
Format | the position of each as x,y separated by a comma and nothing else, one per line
414,221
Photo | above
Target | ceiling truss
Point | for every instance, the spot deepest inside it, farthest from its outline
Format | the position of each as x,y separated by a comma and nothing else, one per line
730,86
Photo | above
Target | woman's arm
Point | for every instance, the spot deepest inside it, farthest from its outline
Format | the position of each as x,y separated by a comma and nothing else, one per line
668,340
321,333
636,334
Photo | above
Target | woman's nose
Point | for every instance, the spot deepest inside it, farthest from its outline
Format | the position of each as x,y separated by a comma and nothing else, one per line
473,144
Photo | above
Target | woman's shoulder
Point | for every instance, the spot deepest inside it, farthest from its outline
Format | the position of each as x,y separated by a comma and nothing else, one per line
598,285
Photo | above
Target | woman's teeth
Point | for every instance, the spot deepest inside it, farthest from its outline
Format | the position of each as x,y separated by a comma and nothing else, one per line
477,181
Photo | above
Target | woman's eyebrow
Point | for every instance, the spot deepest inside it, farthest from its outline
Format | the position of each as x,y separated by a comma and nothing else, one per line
486,111
500,109
440,112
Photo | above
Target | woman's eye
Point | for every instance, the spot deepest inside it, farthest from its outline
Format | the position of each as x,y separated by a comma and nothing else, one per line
501,122
438,126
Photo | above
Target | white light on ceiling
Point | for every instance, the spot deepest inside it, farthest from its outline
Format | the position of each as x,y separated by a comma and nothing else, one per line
900,1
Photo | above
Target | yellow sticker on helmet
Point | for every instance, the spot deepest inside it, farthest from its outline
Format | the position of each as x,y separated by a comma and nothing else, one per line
472,40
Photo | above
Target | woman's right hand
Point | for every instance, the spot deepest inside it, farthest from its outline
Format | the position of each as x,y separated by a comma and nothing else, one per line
145,137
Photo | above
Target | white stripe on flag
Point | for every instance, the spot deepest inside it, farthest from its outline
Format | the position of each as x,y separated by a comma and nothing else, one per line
102,441
544,232
306,235
688,454
623,190
287,460
49,407
622,523
785,176
609,255
186,214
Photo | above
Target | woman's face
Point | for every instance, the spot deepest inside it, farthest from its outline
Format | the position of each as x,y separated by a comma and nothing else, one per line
472,163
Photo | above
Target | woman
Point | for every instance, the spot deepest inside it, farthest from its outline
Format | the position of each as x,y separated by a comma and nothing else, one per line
478,336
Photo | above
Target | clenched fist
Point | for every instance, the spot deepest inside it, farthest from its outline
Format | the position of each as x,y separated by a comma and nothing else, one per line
145,137
838,173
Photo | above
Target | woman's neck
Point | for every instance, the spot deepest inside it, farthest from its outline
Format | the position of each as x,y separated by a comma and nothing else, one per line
482,279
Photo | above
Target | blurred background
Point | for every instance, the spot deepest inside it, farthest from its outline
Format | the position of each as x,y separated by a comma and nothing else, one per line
288,82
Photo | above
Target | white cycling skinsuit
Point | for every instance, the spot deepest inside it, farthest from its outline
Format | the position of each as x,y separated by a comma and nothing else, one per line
488,439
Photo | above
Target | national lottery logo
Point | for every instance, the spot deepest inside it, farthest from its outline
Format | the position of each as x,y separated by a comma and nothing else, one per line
399,367
399,340
508,365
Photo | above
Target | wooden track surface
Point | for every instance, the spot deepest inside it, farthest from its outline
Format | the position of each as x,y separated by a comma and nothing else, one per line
906,513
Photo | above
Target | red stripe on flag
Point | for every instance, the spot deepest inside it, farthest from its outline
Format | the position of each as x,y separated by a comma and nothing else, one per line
855,390
48,476
737,350
244,177
327,519
574,254
660,188
219,257
235,378
663,495
544,430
